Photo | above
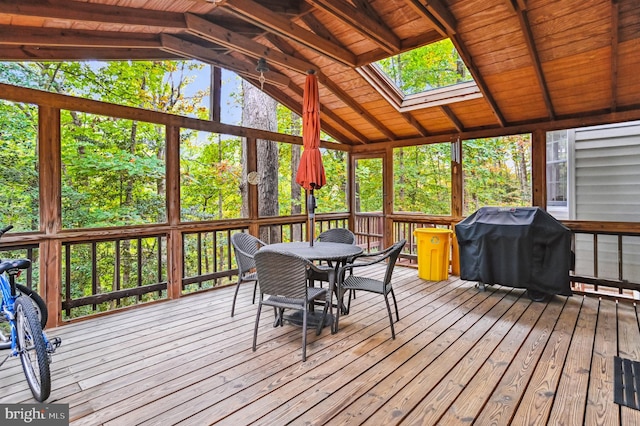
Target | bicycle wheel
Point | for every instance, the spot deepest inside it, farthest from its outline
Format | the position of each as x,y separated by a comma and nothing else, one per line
32,349
38,303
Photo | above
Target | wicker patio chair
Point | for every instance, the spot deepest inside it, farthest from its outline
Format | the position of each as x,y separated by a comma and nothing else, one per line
283,285
337,235
360,283
245,247
333,235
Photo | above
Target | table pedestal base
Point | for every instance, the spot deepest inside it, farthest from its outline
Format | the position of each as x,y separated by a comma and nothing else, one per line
313,318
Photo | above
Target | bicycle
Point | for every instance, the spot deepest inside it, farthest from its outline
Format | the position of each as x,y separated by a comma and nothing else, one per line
25,313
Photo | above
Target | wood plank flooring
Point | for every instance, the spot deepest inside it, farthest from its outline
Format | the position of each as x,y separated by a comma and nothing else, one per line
461,356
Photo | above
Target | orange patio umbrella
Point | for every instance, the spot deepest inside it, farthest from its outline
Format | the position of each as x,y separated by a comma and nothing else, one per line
311,171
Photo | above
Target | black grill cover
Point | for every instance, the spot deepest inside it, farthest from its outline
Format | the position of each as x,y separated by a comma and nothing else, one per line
522,247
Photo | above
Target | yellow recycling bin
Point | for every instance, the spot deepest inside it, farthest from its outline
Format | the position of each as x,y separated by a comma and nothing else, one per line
434,245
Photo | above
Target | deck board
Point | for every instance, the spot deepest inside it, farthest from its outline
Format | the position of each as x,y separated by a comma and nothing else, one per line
461,356
600,405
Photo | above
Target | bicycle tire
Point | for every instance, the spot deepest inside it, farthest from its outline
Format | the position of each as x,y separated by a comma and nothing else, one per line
40,305
32,349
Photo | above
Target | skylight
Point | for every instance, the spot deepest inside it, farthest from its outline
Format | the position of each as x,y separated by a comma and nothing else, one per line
426,68
434,73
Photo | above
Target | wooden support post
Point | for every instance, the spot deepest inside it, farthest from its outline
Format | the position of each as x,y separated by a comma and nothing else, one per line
457,183
215,93
351,186
539,168
174,239
50,166
387,197
252,190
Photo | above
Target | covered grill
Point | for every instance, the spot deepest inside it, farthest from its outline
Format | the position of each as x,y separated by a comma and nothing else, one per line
522,247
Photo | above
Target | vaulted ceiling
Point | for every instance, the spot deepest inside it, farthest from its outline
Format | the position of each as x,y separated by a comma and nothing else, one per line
536,63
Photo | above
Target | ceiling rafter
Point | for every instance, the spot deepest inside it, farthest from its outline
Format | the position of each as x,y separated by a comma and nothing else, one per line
324,111
440,16
80,38
363,21
187,49
419,7
272,22
294,106
318,27
366,115
77,53
415,123
519,7
93,12
285,47
407,44
205,29
446,110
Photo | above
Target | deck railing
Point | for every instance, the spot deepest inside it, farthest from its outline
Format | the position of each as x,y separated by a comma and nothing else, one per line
135,268
369,231
102,271
135,260
30,277
607,259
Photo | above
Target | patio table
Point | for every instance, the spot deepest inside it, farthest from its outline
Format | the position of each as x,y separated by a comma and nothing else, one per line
320,251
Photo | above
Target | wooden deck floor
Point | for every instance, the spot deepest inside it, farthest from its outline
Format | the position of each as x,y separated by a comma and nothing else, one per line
461,356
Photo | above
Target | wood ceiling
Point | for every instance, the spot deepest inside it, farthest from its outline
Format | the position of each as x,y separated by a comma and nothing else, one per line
537,63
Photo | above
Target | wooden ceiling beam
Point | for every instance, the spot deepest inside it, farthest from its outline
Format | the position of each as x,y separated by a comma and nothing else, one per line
422,10
415,123
446,110
362,20
477,77
285,47
318,28
76,53
438,9
535,58
568,122
324,111
359,137
187,49
239,43
351,103
272,22
93,12
36,36
438,14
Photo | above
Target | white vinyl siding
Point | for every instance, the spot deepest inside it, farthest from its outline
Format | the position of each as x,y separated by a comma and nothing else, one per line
606,187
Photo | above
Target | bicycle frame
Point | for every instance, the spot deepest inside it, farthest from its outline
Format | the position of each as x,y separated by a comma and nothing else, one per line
8,309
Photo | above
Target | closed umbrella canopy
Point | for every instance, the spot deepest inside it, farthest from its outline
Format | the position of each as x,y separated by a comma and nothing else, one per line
311,171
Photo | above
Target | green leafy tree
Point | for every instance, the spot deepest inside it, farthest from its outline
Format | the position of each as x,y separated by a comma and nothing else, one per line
19,166
422,179
425,68
496,172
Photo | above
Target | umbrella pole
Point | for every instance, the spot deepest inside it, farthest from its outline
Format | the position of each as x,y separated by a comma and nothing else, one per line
311,210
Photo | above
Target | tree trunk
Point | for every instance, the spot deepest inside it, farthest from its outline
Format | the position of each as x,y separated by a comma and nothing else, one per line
259,112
